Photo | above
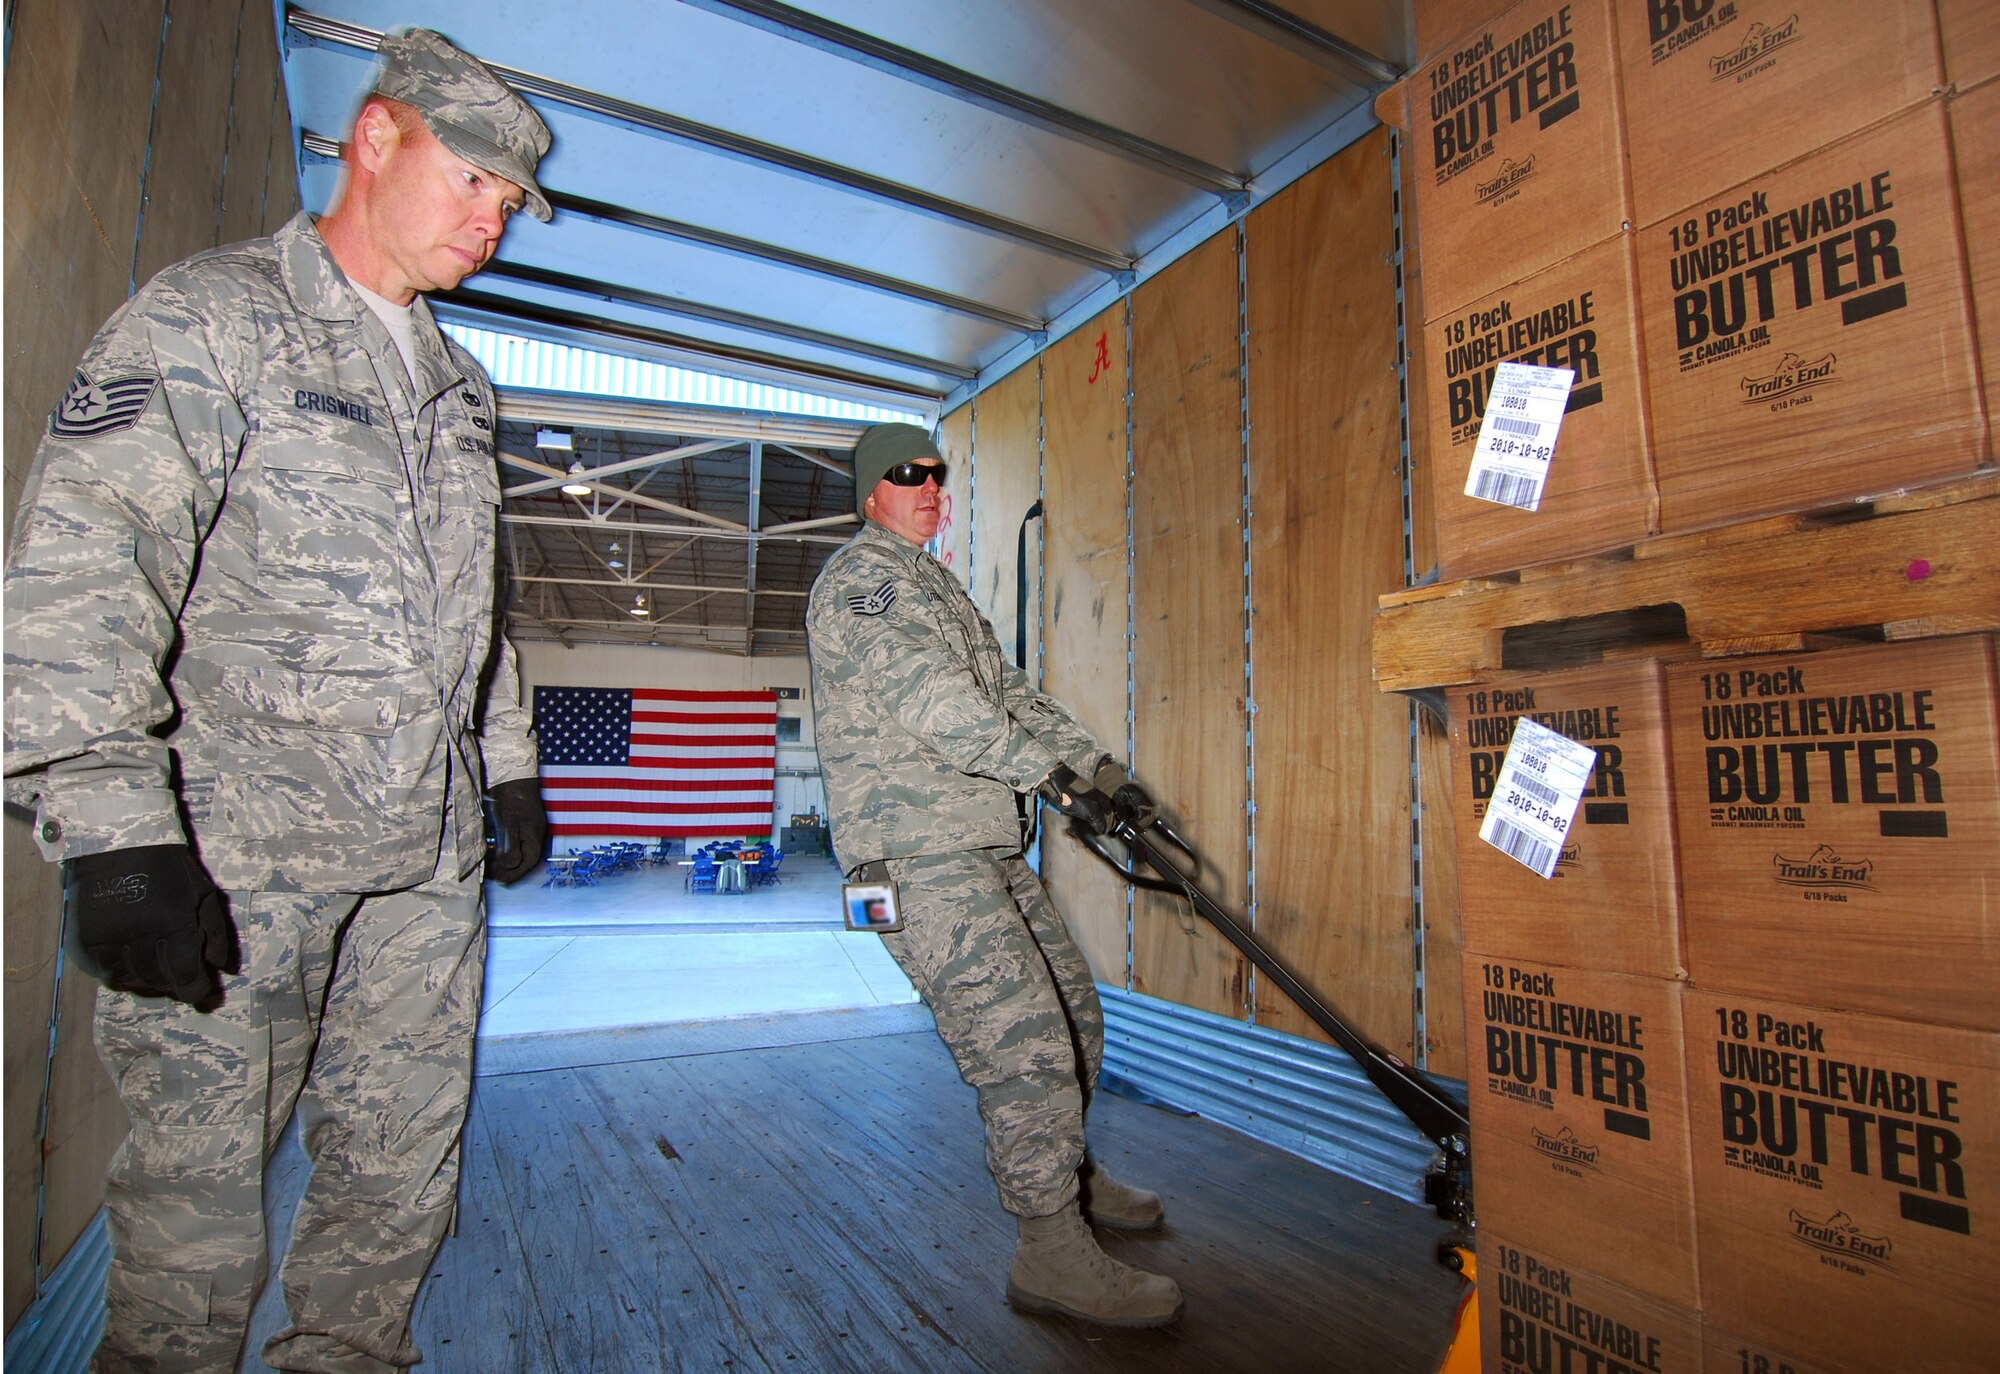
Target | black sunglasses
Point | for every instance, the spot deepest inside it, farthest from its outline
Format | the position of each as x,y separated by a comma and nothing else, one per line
915,474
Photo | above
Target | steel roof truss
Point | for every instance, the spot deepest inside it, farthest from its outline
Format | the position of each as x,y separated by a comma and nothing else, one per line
518,461
665,456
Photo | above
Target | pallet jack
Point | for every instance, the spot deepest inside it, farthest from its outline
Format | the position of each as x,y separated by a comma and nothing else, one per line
1132,822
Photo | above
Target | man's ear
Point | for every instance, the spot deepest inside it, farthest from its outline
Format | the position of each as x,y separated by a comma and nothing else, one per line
375,135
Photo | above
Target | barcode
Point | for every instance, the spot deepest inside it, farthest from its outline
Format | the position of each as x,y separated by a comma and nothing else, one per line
1507,424
1516,843
1509,489
1539,791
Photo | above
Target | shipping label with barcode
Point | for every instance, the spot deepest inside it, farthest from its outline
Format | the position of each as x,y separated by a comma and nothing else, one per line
1517,436
1535,797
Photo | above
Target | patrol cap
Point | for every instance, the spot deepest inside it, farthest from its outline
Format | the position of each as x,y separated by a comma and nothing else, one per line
880,448
472,111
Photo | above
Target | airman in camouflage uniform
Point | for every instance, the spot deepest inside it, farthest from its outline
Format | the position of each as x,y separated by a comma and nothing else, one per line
926,737
249,608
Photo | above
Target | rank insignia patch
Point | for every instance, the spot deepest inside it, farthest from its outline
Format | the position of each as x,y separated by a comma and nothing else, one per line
875,602
89,408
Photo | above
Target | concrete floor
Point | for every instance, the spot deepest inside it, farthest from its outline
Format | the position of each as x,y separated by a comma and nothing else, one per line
638,949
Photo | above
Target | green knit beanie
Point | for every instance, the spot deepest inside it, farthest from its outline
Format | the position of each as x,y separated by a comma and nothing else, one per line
881,447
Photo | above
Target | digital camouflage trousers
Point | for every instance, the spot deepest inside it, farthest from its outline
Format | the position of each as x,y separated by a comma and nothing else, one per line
1015,1004
359,1010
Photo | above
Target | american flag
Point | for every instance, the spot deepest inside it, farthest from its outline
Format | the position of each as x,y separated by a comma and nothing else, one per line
653,761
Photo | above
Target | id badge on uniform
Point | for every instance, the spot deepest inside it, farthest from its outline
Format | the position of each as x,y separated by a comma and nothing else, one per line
871,906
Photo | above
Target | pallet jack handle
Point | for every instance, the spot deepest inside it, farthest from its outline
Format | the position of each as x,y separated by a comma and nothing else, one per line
1448,1185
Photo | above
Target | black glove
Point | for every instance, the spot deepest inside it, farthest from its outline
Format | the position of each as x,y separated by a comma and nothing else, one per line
149,920
521,829
1129,800
1076,799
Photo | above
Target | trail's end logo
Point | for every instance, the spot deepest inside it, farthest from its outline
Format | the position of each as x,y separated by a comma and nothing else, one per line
1565,1148
1760,41
1510,175
1570,857
1825,868
1838,1235
1791,377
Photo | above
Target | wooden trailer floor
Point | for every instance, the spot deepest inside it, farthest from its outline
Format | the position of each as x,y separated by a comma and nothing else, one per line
824,1207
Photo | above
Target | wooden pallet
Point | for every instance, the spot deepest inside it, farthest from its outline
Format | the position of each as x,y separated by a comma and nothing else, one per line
1913,565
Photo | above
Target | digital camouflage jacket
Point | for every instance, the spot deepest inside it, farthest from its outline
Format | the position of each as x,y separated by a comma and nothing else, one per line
926,732
252,582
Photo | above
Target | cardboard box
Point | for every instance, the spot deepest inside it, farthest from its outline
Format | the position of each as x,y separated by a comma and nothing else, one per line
1520,157
1441,24
1539,1313
1725,1353
1839,822
1717,89
1808,337
1975,139
1614,902
1582,314
1969,31
1847,1183
1579,1118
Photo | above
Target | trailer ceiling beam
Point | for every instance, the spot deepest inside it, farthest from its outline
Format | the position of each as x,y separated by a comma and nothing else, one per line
729,319
1307,39
909,65
316,145
759,251
745,149
509,309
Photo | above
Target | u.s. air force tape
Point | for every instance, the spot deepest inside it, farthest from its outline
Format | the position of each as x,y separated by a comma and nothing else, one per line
92,408
875,602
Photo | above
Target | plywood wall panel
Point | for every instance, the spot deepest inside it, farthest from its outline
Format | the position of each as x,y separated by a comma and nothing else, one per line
1187,510
1326,538
190,133
78,95
81,134
281,167
1443,1050
86,1122
1007,447
1086,603
952,544
255,104
1443,937
79,92
32,897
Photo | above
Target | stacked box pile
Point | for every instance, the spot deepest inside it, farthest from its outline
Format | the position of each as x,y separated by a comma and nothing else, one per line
1783,875
1839,814
1735,1068
1785,321
1577,1084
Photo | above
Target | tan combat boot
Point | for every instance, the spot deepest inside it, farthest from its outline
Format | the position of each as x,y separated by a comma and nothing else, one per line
1108,1202
1058,1268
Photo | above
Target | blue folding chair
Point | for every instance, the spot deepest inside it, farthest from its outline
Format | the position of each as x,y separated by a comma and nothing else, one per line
701,878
